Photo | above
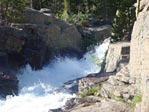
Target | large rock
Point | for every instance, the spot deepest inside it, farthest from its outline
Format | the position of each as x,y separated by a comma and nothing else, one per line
3,61
35,53
104,106
85,83
89,82
139,60
93,104
8,85
57,34
97,34
121,86
19,48
11,39
40,38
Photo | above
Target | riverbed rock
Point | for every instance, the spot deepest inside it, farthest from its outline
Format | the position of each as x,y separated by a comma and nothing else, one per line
89,82
115,95
8,85
85,83
104,106
95,104
56,110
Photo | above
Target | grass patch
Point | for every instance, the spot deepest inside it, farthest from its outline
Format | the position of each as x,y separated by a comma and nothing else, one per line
91,91
136,100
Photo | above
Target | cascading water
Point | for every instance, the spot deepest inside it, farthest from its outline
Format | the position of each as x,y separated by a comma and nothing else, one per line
37,88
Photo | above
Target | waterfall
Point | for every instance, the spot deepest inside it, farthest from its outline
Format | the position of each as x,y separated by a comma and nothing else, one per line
37,89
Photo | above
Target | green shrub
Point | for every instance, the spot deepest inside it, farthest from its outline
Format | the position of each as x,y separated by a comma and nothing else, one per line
136,100
91,91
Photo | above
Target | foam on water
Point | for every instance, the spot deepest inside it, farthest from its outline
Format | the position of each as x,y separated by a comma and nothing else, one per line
37,88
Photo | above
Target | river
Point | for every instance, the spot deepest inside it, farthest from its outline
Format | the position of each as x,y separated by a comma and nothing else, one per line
37,89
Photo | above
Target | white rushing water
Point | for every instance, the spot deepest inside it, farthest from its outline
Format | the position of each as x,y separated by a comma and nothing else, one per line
37,88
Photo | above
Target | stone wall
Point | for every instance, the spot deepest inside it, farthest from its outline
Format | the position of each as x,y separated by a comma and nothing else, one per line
139,57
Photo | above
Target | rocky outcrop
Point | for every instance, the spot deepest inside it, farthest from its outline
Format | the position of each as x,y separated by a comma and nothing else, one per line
89,82
85,83
98,33
17,48
121,86
11,40
56,33
116,93
41,37
139,60
11,44
114,90
131,82
114,86
55,37
103,106
117,56
93,104
8,85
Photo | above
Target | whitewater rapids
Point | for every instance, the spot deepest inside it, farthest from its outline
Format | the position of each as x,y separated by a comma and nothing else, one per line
37,88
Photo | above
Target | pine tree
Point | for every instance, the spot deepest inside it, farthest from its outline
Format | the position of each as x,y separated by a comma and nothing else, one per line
65,14
12,10
124,20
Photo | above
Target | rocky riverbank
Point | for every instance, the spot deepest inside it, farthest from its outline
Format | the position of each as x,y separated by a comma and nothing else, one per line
127,90
8,84
121,86
41,38
111,90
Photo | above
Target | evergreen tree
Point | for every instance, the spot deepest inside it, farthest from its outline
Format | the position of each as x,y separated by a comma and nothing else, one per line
124,20
65,14
12,10
16,10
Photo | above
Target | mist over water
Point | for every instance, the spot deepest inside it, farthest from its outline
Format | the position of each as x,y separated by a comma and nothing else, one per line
37,88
